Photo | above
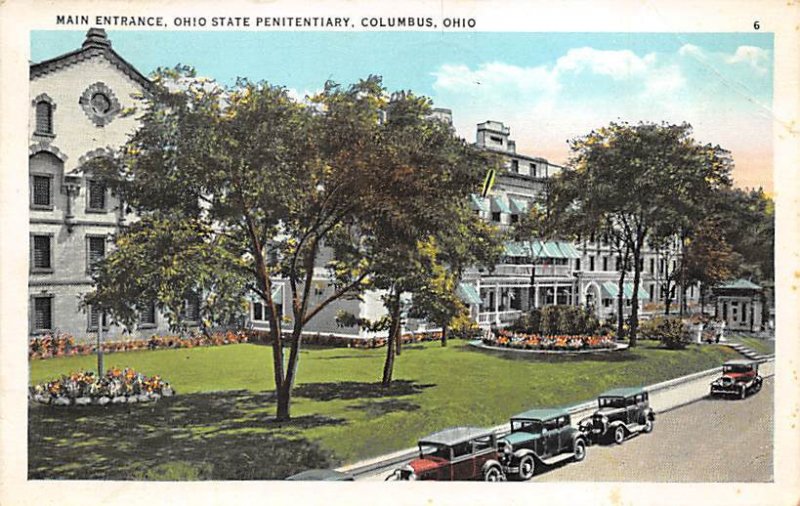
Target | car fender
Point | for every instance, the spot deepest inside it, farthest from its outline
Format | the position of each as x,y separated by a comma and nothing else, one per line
578,435
523,453
612,426
491,463
649,414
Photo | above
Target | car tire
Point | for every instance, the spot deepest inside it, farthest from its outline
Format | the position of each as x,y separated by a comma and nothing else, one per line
527,467
648,426
580,450
619,435
493,474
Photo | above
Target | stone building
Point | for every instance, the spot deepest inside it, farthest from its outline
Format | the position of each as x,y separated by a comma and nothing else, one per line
76,101
740,305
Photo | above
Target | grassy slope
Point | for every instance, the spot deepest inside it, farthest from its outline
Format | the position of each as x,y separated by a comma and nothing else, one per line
762,346
353,417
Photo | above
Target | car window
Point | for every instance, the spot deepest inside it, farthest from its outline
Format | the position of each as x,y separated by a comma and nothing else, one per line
562,421
481,443
630,401
551,424
531,426
639,398
462,449
429,450
611,402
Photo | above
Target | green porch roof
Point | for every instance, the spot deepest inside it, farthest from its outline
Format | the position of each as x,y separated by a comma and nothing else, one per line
468,293
541,414
623,392
541,249
739,284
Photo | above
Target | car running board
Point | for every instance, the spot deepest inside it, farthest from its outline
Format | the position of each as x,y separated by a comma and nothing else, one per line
558,458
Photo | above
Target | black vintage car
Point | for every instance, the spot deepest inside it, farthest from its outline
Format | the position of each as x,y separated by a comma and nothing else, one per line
540,436
621,412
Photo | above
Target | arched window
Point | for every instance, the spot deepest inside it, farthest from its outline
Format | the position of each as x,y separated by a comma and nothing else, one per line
44,118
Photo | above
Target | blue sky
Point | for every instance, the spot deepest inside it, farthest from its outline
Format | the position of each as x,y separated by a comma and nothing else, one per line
548,87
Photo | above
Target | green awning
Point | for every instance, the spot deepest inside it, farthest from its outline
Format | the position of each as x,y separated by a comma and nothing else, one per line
518,206
551,250
739,284
515,249
610,290
478,203
568,250
468,293
499,205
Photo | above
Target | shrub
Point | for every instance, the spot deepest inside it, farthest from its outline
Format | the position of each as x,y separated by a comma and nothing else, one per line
557,320
672,334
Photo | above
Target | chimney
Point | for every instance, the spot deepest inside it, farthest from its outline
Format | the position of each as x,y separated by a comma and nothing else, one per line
96,37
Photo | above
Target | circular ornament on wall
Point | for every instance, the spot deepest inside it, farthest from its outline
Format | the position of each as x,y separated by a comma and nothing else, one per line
100,104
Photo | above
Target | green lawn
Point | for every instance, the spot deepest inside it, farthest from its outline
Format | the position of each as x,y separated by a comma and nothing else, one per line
762,346
341,414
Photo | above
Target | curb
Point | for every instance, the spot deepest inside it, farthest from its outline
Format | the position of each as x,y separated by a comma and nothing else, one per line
392,459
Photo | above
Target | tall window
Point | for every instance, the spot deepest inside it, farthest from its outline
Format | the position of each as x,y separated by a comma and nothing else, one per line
258,311
97,196
605,263
96,251
42,258
41,192
94,318
44,118
42,314
147,315
515,166
533,170
591,263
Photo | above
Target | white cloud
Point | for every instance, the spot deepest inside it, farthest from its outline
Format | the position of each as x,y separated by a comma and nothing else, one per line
665,80
751,55
615,64
494,76
691,50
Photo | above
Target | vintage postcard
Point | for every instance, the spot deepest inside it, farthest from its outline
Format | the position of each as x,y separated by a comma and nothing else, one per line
251,244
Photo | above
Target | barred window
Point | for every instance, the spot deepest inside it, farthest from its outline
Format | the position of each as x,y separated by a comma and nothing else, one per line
191,310
94,317
97,195
147,315
41,252
41,191
42,313
44,118
96,251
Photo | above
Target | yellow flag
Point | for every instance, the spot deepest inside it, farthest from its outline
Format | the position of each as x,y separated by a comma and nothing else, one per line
488,182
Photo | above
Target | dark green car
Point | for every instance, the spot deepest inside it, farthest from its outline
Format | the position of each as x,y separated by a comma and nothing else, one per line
540,436
621,412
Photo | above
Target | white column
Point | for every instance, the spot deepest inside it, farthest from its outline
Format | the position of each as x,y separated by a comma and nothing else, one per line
497,304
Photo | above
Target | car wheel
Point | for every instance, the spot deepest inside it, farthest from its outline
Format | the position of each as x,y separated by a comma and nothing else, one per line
648,426
527,467
493,474
619,435
580,450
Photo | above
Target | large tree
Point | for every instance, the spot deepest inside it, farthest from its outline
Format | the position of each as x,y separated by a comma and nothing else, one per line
642,179
274,183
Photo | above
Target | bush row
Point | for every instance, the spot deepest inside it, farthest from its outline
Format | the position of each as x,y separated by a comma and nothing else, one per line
557,320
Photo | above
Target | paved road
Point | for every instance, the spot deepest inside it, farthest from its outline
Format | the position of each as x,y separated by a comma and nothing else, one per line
708,441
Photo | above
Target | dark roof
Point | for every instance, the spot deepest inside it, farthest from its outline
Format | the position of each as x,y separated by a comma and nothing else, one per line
455,435
541,414
96,44
623,392
321,475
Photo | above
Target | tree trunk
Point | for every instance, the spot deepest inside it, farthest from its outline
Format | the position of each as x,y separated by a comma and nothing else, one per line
637,253
684,305
284,401
702,299
621,303
394,336
444,334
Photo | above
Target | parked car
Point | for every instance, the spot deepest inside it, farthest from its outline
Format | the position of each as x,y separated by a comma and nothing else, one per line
540,436
460,453
621,412
321,475
739,378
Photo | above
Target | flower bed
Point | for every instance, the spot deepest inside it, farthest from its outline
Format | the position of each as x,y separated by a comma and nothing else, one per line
118,386
64,344
514,340
351,342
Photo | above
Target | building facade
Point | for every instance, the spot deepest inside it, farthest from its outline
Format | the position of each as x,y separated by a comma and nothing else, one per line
75,115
